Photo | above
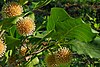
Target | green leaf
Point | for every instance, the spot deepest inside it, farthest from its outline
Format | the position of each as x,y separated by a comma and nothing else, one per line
41,3
32,16
8,22
12,42
33,62
12,30
65,26
96,41
91,49
8,54
22,2
38,35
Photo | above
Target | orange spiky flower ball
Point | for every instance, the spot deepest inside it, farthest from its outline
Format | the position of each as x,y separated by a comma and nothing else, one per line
63,56
51,61
26,26
11,9
2,48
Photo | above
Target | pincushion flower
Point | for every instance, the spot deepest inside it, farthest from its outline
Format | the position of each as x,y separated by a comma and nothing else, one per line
50,60
63,55
26,26
11,9
2,48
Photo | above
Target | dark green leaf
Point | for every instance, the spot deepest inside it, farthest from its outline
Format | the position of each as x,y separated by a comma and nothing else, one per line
12,42
8,22
93,50
12,30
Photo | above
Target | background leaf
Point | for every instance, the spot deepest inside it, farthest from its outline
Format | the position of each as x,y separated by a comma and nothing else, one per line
41,3
91,49
65,26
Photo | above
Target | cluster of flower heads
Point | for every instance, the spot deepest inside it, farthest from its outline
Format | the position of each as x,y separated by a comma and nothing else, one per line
62,56
2,48
25,25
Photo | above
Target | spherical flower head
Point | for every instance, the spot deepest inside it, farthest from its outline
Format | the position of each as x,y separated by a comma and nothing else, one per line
12,61
2,48
50,60
11,9
26,26
63,55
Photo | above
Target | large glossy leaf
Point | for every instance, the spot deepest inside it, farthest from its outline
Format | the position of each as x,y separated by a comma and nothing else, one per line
65,26
91,49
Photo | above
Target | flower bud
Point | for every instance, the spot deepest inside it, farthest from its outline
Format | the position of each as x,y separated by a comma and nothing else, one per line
23,50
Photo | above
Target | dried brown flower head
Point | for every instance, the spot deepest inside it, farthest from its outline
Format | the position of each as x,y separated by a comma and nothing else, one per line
50,60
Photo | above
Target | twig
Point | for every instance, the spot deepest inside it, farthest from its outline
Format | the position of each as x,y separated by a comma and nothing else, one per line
40,50
36,52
